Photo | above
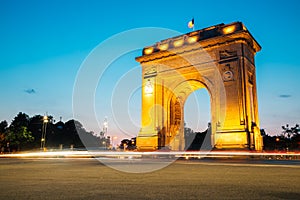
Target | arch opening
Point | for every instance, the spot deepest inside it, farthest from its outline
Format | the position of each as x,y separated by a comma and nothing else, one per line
185,104
197,120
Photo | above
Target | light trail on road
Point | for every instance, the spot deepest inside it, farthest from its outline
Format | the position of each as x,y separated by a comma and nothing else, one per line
155,154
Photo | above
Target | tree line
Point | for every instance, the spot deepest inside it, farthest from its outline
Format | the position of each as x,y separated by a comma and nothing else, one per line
288,140
25,133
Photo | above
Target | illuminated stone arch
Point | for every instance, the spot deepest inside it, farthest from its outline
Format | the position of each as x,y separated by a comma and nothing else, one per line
174,137
219,58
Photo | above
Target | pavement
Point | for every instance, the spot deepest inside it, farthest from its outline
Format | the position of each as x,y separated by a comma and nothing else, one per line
87,178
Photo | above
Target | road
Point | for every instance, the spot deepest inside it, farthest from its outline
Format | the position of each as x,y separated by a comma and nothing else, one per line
66,178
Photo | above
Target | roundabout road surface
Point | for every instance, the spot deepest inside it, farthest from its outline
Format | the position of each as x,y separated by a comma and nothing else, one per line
66,178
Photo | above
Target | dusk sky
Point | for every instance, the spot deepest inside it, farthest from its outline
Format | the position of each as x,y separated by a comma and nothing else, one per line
43,44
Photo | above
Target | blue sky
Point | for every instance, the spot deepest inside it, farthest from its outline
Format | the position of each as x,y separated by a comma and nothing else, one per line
43,43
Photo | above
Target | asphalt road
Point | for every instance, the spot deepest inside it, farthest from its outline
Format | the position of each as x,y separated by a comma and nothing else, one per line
89,179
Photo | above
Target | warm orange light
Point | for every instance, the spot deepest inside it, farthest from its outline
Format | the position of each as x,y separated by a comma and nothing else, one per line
229,29
178,43
163,47
192,39
149,50
45,119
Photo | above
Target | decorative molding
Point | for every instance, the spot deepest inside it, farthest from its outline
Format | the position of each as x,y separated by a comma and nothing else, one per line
224,54
227,73
250,77
150,73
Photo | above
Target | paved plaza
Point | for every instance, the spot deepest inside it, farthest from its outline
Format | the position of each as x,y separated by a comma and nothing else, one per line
60,178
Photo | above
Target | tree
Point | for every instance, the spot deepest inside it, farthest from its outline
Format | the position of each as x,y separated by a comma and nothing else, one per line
84,138
18,134
3,131
3,126
25,133
127,144
35,127
20,120
290,132
291,136
189,136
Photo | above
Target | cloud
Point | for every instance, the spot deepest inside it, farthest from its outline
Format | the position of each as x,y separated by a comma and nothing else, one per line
30,91
285,96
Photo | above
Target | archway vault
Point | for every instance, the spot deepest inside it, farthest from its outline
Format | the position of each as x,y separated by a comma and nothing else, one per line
218,58
174,134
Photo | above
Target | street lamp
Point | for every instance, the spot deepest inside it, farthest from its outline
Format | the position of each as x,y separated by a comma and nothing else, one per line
44,131
104,144
277,143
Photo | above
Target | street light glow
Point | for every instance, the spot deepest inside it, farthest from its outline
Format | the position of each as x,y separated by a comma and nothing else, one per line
45,119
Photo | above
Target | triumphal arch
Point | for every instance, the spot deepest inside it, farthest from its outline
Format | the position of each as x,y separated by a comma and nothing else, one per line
218,58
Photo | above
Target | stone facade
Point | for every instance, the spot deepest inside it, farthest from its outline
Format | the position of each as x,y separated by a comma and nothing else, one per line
218,58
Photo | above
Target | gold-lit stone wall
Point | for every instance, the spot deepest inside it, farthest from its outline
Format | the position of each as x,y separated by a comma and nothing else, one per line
219,59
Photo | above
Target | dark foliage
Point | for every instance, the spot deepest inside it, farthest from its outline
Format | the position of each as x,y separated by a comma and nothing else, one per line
128,144
24,133
289,140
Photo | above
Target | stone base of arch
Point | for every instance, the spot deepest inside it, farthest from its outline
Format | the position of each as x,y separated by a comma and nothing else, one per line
232,140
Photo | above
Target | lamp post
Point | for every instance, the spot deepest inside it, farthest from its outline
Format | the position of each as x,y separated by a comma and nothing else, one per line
277,143
44,131
104,144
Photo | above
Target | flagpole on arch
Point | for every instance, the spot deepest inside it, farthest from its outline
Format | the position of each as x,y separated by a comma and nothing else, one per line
191,24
